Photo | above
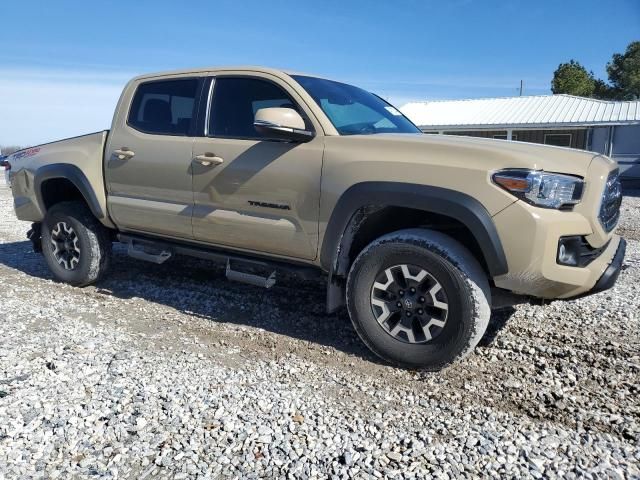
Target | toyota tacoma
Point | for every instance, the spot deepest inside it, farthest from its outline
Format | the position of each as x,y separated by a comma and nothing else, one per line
267,171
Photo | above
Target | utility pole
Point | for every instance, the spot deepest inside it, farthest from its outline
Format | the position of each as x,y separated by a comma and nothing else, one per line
521,87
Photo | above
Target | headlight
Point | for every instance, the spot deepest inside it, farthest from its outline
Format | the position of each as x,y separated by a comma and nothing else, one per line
548,190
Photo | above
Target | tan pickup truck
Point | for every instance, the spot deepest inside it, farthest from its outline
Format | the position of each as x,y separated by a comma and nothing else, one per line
418,235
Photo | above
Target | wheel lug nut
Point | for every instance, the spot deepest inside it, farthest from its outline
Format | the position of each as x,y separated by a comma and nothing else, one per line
401,292
412,290
408,314
420,311
421,300
398,304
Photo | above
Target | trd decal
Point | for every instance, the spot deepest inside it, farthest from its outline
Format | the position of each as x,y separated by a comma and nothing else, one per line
29,152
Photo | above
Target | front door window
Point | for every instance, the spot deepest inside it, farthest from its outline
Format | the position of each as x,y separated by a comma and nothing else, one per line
235,102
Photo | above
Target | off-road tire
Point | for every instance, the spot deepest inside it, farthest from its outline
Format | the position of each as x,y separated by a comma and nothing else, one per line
89,236
448,263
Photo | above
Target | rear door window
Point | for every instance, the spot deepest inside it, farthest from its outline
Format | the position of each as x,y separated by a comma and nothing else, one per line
164,108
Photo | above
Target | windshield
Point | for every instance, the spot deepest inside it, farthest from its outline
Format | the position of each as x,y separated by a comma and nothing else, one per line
354,111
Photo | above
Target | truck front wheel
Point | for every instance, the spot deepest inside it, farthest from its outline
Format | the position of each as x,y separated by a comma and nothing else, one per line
418,299
75,245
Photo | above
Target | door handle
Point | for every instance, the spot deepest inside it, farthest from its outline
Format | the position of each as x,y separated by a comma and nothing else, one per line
208,159
124,153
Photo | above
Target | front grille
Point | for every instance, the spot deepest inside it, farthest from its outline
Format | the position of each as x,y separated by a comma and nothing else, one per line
611,200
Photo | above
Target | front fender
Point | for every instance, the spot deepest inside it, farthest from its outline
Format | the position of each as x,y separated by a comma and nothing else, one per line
462,207
342,226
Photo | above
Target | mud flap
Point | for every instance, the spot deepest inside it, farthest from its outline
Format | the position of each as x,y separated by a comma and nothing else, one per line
335,294
35,236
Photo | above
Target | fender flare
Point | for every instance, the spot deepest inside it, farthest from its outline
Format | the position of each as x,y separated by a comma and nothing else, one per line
75,176
342,226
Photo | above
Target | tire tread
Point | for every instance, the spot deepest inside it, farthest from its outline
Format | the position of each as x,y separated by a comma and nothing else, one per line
458,260
98,235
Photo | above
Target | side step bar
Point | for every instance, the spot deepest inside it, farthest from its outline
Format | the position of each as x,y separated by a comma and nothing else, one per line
139,253
250,278
256,271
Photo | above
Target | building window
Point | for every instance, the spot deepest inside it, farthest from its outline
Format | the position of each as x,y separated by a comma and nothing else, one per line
504,137
558,139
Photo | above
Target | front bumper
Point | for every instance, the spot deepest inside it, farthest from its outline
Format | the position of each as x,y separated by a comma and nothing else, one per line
610,275
530,238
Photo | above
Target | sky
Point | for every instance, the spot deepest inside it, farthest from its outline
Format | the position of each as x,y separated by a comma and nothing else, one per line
63,63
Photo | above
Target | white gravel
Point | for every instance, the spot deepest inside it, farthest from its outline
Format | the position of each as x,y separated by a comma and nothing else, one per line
170,371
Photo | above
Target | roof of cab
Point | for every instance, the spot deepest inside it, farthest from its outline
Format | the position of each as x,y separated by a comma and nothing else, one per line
243,68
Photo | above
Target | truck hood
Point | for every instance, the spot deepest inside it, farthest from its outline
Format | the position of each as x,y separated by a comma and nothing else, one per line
480,153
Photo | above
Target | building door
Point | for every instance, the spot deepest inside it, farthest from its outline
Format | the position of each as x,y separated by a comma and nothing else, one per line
626,149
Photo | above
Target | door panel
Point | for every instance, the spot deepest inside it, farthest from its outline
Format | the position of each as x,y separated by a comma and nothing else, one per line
264,196
151,191
261,195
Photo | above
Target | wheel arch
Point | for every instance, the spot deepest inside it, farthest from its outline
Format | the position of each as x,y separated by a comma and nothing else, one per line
364,201
61,182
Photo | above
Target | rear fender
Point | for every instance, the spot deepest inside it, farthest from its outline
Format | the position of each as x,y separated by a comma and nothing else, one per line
75,176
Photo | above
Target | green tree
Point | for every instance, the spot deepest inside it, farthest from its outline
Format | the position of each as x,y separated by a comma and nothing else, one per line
574,79
624,73
603,91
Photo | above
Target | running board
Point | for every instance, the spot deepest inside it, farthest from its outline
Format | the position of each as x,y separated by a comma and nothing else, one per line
139,253
250,278
265,266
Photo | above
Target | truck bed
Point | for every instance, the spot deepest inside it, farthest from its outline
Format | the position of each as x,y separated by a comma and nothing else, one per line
77,159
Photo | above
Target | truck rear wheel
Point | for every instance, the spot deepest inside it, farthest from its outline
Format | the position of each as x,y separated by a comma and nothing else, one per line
75,245
418,299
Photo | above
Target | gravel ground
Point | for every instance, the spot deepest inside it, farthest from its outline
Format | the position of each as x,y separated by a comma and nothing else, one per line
170,371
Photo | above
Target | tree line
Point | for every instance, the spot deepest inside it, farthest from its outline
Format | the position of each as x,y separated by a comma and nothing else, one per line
9,149
623,83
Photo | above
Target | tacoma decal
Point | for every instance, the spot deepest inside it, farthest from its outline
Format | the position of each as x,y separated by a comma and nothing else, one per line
280,206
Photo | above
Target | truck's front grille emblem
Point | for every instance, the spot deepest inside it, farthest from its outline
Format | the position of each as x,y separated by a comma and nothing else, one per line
611,200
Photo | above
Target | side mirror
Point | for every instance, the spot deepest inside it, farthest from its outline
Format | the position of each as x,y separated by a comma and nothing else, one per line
284,123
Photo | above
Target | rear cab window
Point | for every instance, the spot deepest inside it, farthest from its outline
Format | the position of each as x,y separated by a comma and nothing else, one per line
165,107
